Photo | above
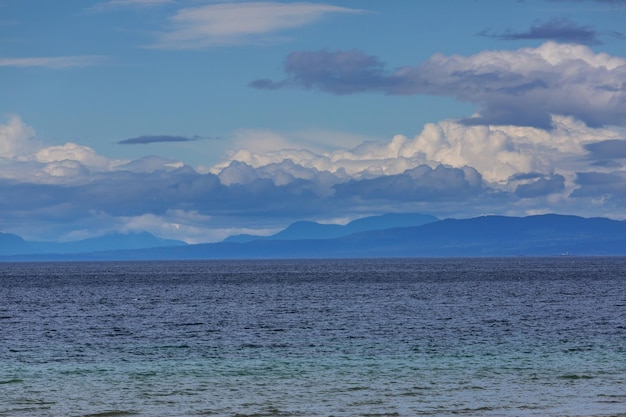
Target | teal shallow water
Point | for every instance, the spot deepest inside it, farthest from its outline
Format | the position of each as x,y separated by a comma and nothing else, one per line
490,337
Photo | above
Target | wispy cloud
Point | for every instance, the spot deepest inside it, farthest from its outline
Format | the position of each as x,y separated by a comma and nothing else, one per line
146,139
120,4
58,62
617,35
560,30
523,87
230,24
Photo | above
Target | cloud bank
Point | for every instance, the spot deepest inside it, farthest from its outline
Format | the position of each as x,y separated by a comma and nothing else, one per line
450,169
525,87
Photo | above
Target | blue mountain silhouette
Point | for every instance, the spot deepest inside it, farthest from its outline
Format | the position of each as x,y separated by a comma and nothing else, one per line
545,235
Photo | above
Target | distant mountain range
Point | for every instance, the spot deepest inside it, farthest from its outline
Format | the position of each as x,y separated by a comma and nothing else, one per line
313,230
11,244
545,235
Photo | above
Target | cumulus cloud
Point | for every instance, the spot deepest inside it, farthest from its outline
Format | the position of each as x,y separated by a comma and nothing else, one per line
523,168
559,30
145,139
73,152
24,158
523,87
16,139
497,152
56,62
237,23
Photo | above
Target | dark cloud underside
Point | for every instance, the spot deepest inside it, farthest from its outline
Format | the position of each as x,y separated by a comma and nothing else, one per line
610,186
541,187
560,30
418,184
608,149
126,193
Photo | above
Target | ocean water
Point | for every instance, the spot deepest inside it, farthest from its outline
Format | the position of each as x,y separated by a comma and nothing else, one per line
421,337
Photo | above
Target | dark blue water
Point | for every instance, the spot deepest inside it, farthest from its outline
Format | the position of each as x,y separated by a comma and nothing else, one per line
444,337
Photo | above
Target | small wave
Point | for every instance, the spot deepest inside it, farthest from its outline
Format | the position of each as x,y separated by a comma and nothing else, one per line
112,413
268,412
357,388
473,410
611,399
11,381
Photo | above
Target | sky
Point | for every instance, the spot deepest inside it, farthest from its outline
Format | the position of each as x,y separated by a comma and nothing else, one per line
200,119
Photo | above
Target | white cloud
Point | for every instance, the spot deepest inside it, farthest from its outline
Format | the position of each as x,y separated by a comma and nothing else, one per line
56,62
523,87
17,139
189,226
239,23
23,157
449,169
137,2
118,4
65,168
73,152
497,152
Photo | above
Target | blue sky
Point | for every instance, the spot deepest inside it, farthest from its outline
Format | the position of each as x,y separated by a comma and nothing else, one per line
197,119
